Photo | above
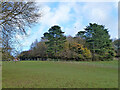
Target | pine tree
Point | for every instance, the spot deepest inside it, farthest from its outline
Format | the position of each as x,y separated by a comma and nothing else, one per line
98,41
55,41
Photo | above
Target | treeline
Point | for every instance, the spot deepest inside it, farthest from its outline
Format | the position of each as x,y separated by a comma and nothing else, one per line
93,44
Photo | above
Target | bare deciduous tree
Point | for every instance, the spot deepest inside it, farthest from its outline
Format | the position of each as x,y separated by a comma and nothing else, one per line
15,17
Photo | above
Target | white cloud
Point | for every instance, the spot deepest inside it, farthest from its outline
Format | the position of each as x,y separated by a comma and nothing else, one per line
75,17
94,12
73,30
101,13
23,39
18,37
61,14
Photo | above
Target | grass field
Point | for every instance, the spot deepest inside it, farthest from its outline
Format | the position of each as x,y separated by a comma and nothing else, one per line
46,74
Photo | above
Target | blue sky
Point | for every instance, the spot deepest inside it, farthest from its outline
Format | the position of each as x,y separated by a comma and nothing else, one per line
72,17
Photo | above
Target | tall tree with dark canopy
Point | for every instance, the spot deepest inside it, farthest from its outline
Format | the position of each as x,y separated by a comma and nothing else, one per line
98,41
55,41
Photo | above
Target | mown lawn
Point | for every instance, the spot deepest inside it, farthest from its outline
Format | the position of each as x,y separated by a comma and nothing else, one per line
49,74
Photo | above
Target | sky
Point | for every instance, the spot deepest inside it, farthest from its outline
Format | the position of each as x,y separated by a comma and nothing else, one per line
72,17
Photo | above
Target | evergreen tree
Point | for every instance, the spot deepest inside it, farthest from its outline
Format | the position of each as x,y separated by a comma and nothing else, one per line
55,41
98,41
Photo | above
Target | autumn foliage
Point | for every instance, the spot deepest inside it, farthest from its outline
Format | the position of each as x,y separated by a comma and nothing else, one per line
92,44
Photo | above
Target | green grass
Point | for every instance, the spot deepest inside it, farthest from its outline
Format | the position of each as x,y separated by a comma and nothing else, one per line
46,74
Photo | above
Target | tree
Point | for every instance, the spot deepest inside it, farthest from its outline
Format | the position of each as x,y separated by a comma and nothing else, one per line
55,41
41,50
38,49
74,49
98,41
24,55
15,17
66,53
80,40
34,48
82,52
117,47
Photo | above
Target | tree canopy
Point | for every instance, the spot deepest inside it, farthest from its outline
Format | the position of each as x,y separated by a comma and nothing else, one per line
93,43
98,41
55,41
15,17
